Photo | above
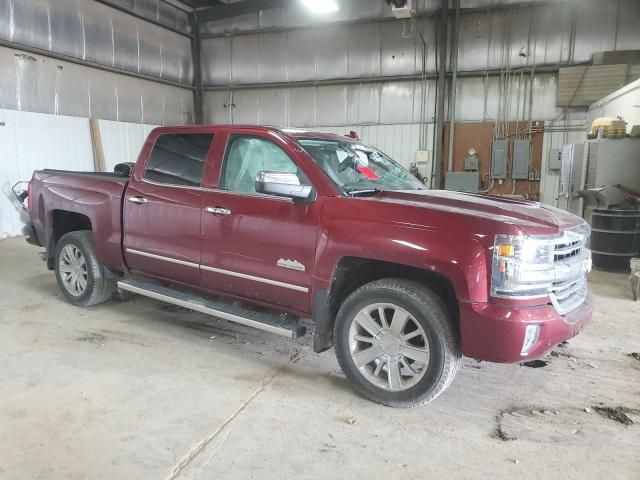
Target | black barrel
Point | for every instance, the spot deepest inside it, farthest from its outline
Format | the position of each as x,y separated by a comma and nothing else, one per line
615,238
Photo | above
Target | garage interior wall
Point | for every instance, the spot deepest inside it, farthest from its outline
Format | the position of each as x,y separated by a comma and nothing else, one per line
65,61
363,70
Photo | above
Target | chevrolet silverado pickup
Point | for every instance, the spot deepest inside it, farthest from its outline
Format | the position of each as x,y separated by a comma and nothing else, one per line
267,227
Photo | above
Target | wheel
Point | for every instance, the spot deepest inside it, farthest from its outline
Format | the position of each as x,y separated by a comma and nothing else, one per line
396,343
81,277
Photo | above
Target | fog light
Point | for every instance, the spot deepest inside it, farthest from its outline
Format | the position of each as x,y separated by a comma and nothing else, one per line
531,335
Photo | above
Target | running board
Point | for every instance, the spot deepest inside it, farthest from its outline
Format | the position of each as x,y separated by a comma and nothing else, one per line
280,324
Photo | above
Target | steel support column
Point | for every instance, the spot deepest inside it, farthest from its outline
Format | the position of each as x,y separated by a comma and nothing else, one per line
441,93
197,70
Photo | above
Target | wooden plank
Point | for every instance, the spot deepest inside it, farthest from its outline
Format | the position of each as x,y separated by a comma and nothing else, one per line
99,162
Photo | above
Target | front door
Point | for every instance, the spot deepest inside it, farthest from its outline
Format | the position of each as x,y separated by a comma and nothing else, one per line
163,209
258,246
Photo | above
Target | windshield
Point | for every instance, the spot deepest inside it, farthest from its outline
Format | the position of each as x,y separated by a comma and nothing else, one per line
358,168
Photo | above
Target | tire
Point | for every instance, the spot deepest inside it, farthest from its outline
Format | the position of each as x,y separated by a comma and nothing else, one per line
92,275
428,337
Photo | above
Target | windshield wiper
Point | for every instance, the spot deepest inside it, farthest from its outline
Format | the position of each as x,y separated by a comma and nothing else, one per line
368,191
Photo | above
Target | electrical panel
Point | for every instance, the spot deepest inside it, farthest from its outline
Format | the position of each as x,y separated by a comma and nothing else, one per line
462,181
499,159
555,159
521,159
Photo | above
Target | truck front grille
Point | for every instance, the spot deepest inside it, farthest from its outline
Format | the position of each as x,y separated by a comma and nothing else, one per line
571,262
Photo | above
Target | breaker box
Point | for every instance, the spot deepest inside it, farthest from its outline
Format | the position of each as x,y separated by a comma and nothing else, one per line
521,159
555,159
499,159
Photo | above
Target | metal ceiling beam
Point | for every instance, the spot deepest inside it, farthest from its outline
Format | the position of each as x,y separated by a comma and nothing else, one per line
230,10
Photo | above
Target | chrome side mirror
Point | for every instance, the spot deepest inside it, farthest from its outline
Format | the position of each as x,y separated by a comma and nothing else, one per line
283,184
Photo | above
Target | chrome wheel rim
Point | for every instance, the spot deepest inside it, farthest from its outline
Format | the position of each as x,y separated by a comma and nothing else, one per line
73,270
388,346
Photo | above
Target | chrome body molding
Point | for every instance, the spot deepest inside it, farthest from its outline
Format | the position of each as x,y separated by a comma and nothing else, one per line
268,281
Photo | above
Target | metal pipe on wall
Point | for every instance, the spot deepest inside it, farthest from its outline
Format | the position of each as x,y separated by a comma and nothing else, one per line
454,81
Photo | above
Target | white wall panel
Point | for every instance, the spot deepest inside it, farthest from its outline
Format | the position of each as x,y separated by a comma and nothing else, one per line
122,141
302,107
32,141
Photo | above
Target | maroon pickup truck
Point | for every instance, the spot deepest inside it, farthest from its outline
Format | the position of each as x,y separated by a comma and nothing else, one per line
265,226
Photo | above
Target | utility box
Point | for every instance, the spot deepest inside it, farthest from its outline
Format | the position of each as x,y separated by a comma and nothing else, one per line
521,159
462,181
555,159
499,159
471,160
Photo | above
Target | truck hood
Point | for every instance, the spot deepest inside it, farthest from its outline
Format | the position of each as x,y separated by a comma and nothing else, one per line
532,218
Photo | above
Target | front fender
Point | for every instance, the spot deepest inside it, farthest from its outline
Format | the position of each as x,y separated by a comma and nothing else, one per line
457,255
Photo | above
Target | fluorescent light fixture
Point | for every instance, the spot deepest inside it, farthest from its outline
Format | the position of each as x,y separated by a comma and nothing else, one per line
321,6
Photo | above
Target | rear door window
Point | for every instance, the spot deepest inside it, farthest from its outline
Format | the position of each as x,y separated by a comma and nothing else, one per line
178,159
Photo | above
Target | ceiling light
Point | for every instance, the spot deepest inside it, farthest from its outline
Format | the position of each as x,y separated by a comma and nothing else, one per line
321,6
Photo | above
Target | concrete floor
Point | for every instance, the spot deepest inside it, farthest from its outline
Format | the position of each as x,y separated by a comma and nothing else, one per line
141,390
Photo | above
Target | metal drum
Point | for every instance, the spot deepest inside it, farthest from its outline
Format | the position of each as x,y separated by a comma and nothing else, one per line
615,238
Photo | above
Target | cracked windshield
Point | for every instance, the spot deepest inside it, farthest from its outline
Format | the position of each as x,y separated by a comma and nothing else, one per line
359,169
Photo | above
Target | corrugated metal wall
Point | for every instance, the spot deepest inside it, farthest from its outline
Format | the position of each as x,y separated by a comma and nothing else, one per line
92,32
37,83
518,38
89,30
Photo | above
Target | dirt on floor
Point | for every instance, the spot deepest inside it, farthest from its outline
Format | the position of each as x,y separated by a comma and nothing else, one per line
137,390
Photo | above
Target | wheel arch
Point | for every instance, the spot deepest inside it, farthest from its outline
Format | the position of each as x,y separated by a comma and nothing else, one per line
63,222
351,273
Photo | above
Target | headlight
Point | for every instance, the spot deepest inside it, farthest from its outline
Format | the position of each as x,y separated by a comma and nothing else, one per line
522,266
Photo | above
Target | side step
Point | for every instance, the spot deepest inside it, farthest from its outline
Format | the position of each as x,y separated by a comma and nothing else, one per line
280,324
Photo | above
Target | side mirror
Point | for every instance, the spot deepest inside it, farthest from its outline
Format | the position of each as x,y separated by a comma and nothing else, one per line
282,184
123,169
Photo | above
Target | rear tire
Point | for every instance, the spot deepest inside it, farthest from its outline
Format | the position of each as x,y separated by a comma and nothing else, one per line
83,280
396,343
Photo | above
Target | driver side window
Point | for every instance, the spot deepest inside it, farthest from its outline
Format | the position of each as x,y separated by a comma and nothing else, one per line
247,156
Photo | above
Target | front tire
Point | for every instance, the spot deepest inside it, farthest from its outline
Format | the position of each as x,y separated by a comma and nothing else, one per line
81,277
396,343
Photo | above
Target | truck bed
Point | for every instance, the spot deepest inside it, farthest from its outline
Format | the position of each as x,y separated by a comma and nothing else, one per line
93,199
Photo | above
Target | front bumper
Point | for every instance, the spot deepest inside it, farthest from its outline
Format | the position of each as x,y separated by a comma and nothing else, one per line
30,235
495,333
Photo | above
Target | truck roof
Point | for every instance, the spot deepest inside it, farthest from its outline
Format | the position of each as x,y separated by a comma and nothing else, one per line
290,132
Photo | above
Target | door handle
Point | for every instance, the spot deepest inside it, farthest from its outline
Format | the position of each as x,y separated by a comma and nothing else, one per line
139,199
217,211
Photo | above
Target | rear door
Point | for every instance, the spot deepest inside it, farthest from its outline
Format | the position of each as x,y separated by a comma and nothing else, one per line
162,208
258,246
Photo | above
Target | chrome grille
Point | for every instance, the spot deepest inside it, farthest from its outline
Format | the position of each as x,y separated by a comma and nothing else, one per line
567,296
571,258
